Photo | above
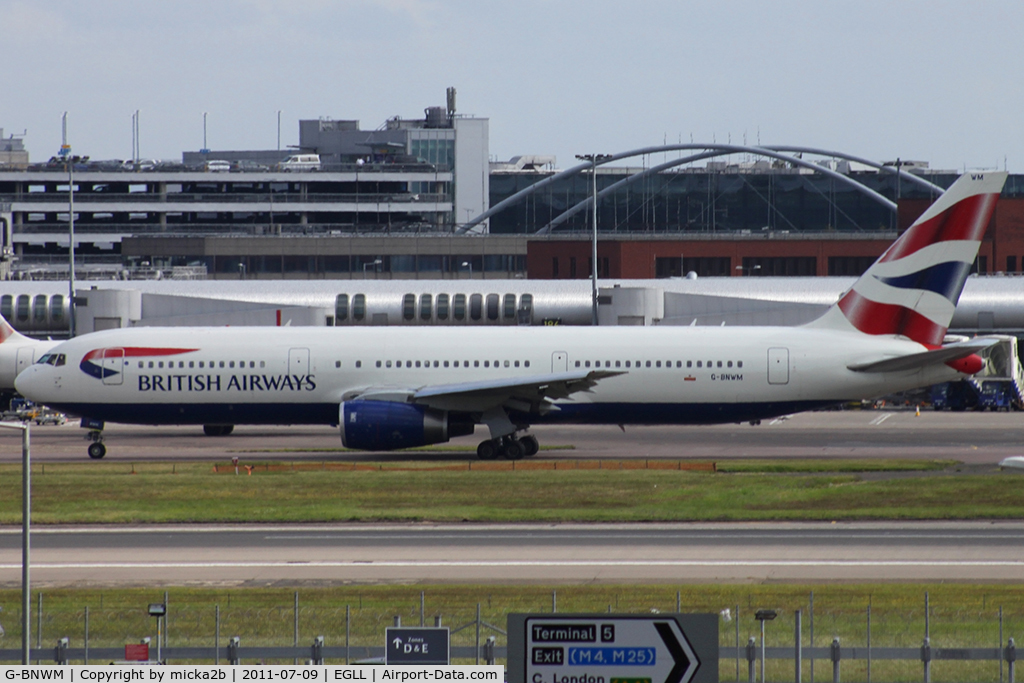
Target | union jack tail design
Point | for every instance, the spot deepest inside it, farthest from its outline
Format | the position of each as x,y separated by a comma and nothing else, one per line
912,289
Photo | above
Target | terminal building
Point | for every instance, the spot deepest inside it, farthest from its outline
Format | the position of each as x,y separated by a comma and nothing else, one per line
402,202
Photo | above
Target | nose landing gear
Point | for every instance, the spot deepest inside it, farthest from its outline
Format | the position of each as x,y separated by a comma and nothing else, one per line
96,449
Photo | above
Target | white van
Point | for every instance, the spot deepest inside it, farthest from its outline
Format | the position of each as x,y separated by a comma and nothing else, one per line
300,162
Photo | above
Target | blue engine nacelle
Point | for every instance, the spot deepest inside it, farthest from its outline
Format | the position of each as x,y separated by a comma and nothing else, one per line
387,425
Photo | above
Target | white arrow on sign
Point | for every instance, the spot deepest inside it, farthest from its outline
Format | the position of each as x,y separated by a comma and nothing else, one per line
397,642
686,661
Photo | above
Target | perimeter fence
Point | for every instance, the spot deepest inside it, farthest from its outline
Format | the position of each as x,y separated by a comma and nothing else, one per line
805,642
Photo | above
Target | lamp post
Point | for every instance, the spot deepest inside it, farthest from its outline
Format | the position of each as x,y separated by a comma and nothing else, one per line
594,160
26,531
158,610
374,263
764,615
467,264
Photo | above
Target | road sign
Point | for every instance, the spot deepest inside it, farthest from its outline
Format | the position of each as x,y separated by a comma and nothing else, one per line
613,648
424,645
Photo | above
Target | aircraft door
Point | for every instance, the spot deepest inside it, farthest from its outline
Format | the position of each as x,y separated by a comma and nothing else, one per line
559,361
298,362
26,356
778,366
113,366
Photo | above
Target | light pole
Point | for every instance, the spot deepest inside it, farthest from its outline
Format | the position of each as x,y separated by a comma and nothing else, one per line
26,535
65,152
241,271
745,270
594,160
467,264
764,615
158,610
374,263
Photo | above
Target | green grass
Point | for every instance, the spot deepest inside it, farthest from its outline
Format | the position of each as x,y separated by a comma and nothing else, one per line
961,616
164,493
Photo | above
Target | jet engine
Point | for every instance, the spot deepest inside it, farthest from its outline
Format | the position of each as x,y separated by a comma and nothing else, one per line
387,425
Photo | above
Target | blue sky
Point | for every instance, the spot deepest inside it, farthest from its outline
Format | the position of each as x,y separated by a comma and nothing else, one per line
939,81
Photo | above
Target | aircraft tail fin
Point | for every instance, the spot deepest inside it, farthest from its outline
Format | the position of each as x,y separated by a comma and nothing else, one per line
8,333
912,289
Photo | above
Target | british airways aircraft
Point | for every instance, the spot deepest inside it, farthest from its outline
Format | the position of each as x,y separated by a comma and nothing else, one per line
399,387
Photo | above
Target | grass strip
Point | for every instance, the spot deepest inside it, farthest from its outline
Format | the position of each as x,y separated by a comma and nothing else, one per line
191,493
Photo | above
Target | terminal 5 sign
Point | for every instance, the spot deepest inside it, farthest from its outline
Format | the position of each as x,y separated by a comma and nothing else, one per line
612,648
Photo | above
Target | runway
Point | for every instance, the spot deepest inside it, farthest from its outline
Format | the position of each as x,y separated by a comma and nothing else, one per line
972,438
676,553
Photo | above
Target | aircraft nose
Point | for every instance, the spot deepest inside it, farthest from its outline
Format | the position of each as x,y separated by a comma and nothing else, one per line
29,382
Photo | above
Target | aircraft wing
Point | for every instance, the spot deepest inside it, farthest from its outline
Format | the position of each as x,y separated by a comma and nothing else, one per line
916,361
532,393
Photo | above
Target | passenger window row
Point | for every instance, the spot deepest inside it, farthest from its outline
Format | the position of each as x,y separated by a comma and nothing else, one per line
447,364
658,364
201,364
442,307
39,308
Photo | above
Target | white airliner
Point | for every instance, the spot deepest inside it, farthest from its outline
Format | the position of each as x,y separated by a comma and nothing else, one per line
17,352
399,387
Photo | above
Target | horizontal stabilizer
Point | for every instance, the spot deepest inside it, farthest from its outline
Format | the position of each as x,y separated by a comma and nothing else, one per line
916,361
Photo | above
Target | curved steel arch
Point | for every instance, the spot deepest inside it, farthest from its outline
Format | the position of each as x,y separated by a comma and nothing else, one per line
720,148
584,204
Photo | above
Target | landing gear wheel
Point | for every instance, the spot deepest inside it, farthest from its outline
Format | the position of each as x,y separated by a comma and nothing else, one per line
97,450
218,430
513,449
487,450
530,445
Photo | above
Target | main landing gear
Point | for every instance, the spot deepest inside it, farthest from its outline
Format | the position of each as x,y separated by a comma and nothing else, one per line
509,447
218,430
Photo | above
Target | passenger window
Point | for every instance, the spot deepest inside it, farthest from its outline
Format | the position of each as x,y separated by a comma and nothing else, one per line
39,309
456,364
689,363
627,363
648,363
587,364
577,363
221,364
657,364
442,307
231,364
141,364
729,364
509,307
160,364
526,363
699,364
618,363
719,363
359,363
191,363
446,363
358,307
388,364
739,364
252,364
492,306
476,302
436,364
7,306
526,309
201,364
709,364
476,364
417,363
337,364
263,364
378,364
517,364
340,308
23,304
408,306
426,306
506,364
459,307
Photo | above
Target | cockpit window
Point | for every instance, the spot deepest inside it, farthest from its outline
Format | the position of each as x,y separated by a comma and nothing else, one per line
55,359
